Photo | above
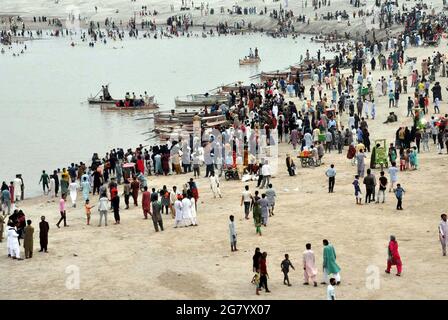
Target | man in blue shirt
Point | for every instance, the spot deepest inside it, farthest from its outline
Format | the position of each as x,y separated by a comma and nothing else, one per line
399,194
331,174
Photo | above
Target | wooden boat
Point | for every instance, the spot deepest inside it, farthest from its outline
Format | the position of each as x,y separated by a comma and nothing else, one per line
111,102
112,107
246,61
301,68
213,121
265,76
234,88
173,118
101,101
200,100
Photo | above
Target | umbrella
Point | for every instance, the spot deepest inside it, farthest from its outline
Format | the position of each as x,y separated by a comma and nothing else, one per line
129,165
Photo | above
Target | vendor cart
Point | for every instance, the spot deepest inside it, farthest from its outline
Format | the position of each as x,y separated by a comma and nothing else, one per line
308,161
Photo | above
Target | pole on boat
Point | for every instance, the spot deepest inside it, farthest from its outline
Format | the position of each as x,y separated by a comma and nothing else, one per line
154,136
225,85
148,131
146,118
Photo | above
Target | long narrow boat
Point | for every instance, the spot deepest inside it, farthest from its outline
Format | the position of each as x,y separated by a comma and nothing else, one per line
199,100
300,68
246,61
265,76
112,107
101,101
113,101
234,88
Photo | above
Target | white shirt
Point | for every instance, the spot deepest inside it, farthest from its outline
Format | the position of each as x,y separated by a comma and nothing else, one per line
232,229
443,228
393,171
178,207
330,293
17,186
13,238
266,170
73,187
246,196
186,208
351,122
103,204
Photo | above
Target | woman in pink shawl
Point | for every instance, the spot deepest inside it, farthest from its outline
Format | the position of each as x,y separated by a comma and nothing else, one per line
393,256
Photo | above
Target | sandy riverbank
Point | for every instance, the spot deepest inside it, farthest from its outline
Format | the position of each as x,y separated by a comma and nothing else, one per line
124,10
131,261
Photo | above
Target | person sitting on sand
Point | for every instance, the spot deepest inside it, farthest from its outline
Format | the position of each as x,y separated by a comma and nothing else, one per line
391,118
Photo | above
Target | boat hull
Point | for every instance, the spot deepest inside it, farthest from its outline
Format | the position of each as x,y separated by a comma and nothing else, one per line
113,107
249,61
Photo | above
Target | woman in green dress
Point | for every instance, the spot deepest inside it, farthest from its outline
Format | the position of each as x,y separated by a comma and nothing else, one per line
256,211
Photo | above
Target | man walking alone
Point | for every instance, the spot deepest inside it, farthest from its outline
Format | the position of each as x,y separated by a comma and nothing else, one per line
331,174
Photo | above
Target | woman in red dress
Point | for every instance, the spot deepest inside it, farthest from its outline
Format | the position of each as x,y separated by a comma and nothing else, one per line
393,256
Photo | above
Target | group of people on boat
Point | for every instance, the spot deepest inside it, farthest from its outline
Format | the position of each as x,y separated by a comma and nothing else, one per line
134,101
253,55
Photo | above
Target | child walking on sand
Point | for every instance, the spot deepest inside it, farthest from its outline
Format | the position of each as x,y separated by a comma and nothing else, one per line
402,160
399,194
285,269
256,282
407,159
358,193
88,208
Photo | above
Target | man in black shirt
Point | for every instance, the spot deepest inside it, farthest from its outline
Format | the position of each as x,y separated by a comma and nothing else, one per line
369,181
383,187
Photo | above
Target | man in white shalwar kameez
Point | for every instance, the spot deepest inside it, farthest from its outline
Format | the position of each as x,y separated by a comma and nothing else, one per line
309,266
193,210
17,188
73,190
214,185
186,211
13,243
52,188
379,88
443,233
179,208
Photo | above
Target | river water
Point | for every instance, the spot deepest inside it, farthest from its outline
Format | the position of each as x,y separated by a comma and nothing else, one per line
47,124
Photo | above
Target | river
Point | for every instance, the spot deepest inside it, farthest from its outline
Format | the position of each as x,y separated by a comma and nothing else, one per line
47,124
